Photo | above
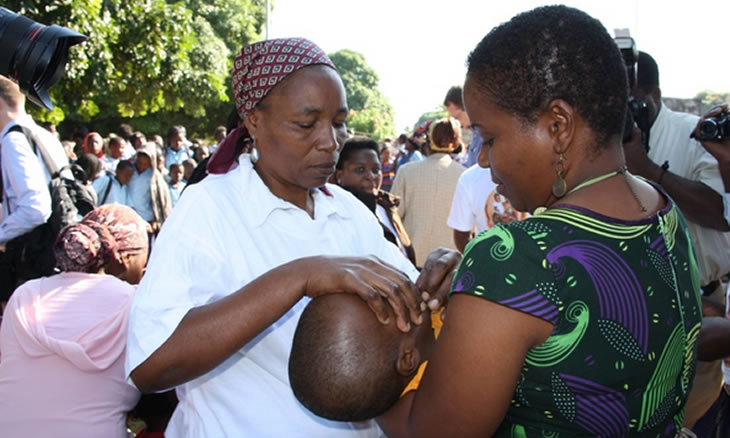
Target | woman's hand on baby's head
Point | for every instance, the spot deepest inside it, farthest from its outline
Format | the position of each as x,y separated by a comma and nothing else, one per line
434,283
385,289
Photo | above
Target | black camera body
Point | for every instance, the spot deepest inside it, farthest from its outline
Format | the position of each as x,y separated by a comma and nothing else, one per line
34,55
715,128
637,111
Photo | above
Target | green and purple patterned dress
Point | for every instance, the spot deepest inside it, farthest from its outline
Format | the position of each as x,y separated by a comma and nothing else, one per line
624,299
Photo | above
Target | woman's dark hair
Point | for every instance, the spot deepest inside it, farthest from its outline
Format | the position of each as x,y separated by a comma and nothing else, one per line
554,52
356,143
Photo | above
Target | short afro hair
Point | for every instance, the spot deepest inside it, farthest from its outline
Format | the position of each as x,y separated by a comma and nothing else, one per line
343,374
554,52
647,73
356,143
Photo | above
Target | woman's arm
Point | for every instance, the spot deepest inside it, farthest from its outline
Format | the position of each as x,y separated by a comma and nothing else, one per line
209,334
472,375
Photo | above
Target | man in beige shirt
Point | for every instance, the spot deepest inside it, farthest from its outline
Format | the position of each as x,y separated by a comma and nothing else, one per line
426,188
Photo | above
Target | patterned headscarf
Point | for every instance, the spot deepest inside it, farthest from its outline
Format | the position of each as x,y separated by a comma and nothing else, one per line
104,234
257,69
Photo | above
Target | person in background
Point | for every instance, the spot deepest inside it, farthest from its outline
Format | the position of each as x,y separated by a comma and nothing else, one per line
411,152
137,140
161,164
63,337
177,146
148,192
426,189
359,171
188,168
550,330
92,170
25,201
176,182
115,153
94,144
112,188
690,175
388,160
201,153
252,244
454,104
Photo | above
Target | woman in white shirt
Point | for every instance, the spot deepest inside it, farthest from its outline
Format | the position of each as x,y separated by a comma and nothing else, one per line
245,249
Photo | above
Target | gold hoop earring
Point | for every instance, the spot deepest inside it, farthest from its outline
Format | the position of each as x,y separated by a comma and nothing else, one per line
560,187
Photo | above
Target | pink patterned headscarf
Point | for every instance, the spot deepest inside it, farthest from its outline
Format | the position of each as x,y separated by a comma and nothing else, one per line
257,69
104,234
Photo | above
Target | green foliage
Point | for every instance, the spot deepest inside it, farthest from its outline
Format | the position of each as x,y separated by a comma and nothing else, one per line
432,115
711,98
370,112
156,62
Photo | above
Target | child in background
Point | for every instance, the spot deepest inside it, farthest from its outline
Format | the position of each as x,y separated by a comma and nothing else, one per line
176,182
388,162
112,188
188,167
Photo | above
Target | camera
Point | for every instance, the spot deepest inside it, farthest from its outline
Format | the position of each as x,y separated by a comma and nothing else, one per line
715,128
637,111
34,55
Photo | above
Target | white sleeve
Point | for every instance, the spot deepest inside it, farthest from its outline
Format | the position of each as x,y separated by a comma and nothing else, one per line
172,284
25,181
461,217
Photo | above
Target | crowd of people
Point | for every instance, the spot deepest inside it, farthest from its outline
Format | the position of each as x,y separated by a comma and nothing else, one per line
521,258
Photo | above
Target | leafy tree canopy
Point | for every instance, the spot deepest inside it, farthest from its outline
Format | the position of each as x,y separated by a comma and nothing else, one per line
711,98
146,58
370,112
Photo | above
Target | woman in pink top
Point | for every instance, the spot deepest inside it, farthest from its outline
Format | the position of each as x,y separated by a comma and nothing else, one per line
62,339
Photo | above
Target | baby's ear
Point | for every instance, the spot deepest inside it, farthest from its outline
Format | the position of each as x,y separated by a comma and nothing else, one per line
409,358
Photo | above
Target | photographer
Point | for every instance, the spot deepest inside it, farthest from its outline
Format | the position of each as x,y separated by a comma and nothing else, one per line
720,149
690,175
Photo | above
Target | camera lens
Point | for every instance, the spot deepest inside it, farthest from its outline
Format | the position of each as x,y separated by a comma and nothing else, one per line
709,129
34,55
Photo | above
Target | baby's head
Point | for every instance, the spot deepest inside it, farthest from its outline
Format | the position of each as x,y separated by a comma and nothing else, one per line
347,366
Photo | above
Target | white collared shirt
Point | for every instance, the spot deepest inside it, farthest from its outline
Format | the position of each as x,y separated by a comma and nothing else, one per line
226,231
26,198
669,141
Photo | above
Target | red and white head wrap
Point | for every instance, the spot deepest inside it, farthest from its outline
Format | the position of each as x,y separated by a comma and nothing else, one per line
105,233
257,69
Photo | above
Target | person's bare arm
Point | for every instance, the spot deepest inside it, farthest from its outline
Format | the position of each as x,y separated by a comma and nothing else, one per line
698,202
461,238
472,374
714,340
209,334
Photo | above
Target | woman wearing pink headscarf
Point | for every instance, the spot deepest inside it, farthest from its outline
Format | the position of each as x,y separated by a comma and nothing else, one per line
62,339
246,248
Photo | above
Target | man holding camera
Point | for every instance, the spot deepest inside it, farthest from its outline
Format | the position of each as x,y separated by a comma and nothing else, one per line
690,175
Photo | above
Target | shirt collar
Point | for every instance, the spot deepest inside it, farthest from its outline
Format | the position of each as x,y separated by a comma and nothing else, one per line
327,199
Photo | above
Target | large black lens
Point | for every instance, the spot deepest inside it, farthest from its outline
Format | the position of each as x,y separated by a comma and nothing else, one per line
34,55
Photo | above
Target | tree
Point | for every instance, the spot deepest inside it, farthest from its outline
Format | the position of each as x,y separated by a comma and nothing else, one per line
370,112
711,98
147,60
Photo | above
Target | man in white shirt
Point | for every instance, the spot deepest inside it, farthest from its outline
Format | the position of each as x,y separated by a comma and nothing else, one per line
477,206
26,200
690,175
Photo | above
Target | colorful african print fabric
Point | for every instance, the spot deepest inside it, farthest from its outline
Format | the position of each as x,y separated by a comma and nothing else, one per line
623,297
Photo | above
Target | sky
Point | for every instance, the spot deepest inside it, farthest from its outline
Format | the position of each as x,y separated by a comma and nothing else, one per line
419,47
